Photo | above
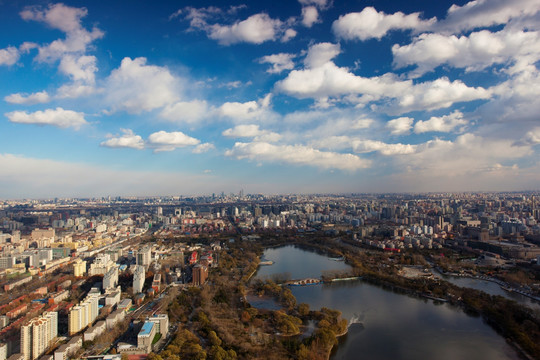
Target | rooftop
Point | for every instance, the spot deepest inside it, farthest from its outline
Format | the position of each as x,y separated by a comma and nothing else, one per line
146,329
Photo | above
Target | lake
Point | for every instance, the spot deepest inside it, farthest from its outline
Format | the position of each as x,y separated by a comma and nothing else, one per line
390,325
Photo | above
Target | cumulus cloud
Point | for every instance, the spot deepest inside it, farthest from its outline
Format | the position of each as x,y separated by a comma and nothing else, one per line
127,140
515,100
189,112
136,87
531,138
445,123
256,29
169,141
437,94
202,148
400,126
71,51
251,131
279,62
461,170
310,15
323,79
79,68
369,23
366,146
28,99
68,20
76,90
485,13
56,117
9,56
321,4
296,155
473,52
249,110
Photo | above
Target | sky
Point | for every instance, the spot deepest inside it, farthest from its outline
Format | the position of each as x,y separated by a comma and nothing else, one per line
142,98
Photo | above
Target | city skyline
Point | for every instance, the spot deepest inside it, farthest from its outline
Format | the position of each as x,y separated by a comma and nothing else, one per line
314,96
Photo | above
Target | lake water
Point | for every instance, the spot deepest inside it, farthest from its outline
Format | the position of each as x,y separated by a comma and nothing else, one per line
489,287
392,325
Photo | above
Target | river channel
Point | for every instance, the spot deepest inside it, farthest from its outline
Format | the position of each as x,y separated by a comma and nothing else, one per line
390,325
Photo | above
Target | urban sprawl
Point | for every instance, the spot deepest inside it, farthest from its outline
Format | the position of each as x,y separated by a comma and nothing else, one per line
98,278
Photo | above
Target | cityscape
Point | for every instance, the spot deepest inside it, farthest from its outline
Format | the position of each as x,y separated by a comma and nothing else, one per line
303,179
102,278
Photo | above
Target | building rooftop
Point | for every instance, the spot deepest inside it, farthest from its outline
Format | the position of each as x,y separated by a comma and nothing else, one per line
146,329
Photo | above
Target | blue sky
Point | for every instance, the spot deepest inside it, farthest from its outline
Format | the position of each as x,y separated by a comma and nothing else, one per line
134,98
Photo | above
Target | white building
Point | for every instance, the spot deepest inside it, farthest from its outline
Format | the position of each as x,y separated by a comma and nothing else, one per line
37,335
138,279
110,279
82,315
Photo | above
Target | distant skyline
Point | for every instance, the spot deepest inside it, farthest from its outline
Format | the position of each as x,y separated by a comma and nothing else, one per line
308,96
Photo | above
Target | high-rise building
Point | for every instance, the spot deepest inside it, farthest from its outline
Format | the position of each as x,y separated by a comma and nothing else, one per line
144,256
138,279
200,274
37,335
110,280
79,268
82,315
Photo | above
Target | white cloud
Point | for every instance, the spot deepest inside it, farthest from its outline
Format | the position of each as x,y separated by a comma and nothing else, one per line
369,24
186,111
322,79
445,123
251,131
79,68
251,110
321,4
437,94
400,126
68,20
531,138
28,99
288,35
71,51
256,29
56,117
9,55
310,15
321,54
202,148
136,86
485,13
168,141
515,100
296,155
127,140
468,163
365,146
76,90
473,52
279,62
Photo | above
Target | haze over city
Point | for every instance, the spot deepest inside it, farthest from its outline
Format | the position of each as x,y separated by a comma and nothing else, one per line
139,98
